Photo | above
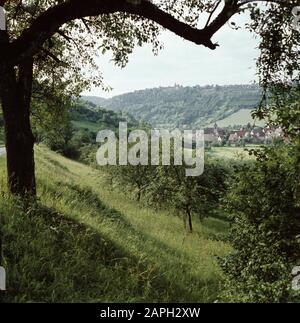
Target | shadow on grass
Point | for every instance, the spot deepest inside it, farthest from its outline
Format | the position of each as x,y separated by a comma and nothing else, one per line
52,257
171,262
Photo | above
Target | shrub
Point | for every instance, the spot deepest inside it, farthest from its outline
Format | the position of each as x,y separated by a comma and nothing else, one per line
264,202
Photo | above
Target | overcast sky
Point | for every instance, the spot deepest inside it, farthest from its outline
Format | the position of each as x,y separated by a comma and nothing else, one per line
185,63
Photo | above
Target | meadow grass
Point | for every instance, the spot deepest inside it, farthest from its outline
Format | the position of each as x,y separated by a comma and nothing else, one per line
233,153
92,126
84,242
241,117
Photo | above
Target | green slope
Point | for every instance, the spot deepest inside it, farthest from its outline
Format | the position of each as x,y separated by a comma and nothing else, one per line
242,117
84,242
87,115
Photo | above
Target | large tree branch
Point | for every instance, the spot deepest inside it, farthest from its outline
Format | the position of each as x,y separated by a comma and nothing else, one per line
212,12
49,22
230,8
31,40
283,2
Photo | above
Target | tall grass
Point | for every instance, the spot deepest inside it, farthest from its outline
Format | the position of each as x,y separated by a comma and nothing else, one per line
84,242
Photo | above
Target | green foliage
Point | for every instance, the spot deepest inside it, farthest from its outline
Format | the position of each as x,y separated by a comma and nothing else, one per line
278,61
278,64
89,113
283,108
263,199
135,179
73,129
196,196
50,118
73,50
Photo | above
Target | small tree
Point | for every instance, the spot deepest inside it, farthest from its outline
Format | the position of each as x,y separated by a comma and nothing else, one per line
134,178
187,196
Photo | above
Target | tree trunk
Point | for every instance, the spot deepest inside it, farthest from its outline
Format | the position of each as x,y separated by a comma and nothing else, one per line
190,226
184,220
15,95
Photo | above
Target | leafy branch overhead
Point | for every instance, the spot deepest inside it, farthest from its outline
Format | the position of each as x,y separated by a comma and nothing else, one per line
43,25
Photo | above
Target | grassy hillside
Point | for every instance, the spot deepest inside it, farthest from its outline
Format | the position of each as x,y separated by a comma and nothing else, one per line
84,242
87,115
84,111
190,106
242,117
231,154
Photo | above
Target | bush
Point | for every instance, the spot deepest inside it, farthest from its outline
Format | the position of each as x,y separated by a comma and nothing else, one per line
264,202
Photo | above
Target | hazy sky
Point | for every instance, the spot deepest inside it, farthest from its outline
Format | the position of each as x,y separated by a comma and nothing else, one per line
184,63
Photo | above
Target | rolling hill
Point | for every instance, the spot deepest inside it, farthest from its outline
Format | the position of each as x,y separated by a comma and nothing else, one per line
88,115
180,106
96,100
